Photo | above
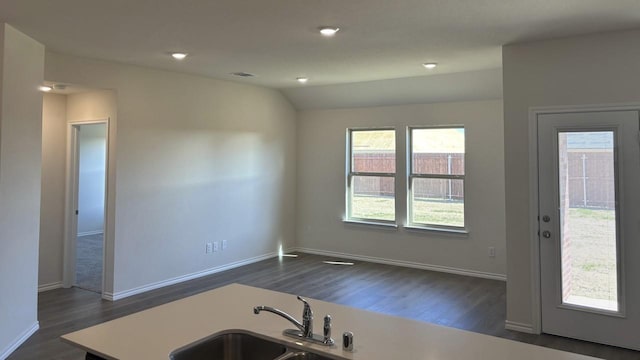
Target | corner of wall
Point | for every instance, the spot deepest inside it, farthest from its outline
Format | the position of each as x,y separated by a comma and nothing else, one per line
20,174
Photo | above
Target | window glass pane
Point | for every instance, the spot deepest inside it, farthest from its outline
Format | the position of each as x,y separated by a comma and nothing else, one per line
373,197
373,151
437,151
588,219
438,202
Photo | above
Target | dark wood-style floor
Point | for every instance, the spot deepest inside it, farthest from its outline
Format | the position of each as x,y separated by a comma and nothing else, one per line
458,301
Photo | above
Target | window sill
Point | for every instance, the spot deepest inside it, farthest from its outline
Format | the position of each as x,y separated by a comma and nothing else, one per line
418,228
371,223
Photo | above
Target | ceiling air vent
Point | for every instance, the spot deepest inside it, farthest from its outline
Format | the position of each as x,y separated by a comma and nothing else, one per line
242,74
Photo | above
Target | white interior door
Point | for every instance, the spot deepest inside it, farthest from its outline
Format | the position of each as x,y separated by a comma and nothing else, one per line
589,227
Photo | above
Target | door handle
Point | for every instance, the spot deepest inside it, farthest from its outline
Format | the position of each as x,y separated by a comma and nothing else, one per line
546,234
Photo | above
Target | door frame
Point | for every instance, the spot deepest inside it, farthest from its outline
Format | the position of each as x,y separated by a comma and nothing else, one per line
71,202
534,239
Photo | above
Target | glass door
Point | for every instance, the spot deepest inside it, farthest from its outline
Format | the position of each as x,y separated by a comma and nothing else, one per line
588,166
589,243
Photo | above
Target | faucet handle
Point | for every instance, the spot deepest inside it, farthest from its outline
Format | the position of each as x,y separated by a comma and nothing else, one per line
306,303
307,318
306,312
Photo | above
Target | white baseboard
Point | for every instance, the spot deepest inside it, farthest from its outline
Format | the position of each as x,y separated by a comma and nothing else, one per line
108,296
410,264
521,327
50,286
21,339
123,294
94,232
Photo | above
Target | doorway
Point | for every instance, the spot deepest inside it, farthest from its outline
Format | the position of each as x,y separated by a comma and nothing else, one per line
87,190
588,211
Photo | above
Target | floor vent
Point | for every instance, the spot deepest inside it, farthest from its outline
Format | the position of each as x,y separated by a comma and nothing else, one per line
338,263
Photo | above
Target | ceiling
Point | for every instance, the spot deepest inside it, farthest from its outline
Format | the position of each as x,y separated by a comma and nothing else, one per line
277,40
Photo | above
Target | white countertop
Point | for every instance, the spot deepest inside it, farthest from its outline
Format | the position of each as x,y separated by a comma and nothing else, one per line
154,333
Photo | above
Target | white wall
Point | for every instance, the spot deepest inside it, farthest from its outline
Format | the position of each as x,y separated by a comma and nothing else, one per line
54,134
91,173
194,160
593,69
21,71
321,188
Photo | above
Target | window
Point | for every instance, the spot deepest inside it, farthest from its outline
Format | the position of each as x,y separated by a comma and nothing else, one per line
371,172
436,177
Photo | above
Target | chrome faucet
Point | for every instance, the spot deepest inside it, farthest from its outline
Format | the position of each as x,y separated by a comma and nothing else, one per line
305,329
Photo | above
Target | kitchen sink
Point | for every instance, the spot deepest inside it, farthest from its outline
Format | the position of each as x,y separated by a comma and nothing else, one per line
239,345
301,355
230,346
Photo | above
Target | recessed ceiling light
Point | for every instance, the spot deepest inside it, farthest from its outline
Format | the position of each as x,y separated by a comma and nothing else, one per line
302,79
45,88
179,56
430,65
328,30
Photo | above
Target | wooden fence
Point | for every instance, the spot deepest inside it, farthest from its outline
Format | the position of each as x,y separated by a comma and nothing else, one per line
591,180
590,177
423,163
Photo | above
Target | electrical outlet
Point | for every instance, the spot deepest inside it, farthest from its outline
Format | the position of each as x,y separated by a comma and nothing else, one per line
208,248
492,251
216,246
224,244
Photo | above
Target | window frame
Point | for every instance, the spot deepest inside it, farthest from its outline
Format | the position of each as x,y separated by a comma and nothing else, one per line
350,174
410,224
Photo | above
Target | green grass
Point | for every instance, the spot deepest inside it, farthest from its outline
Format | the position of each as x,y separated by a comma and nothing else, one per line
435,212
438,212
373,207
594,214
593,253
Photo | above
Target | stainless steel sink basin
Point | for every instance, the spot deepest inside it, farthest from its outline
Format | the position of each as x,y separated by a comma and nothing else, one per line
239,345
230,346
302,355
